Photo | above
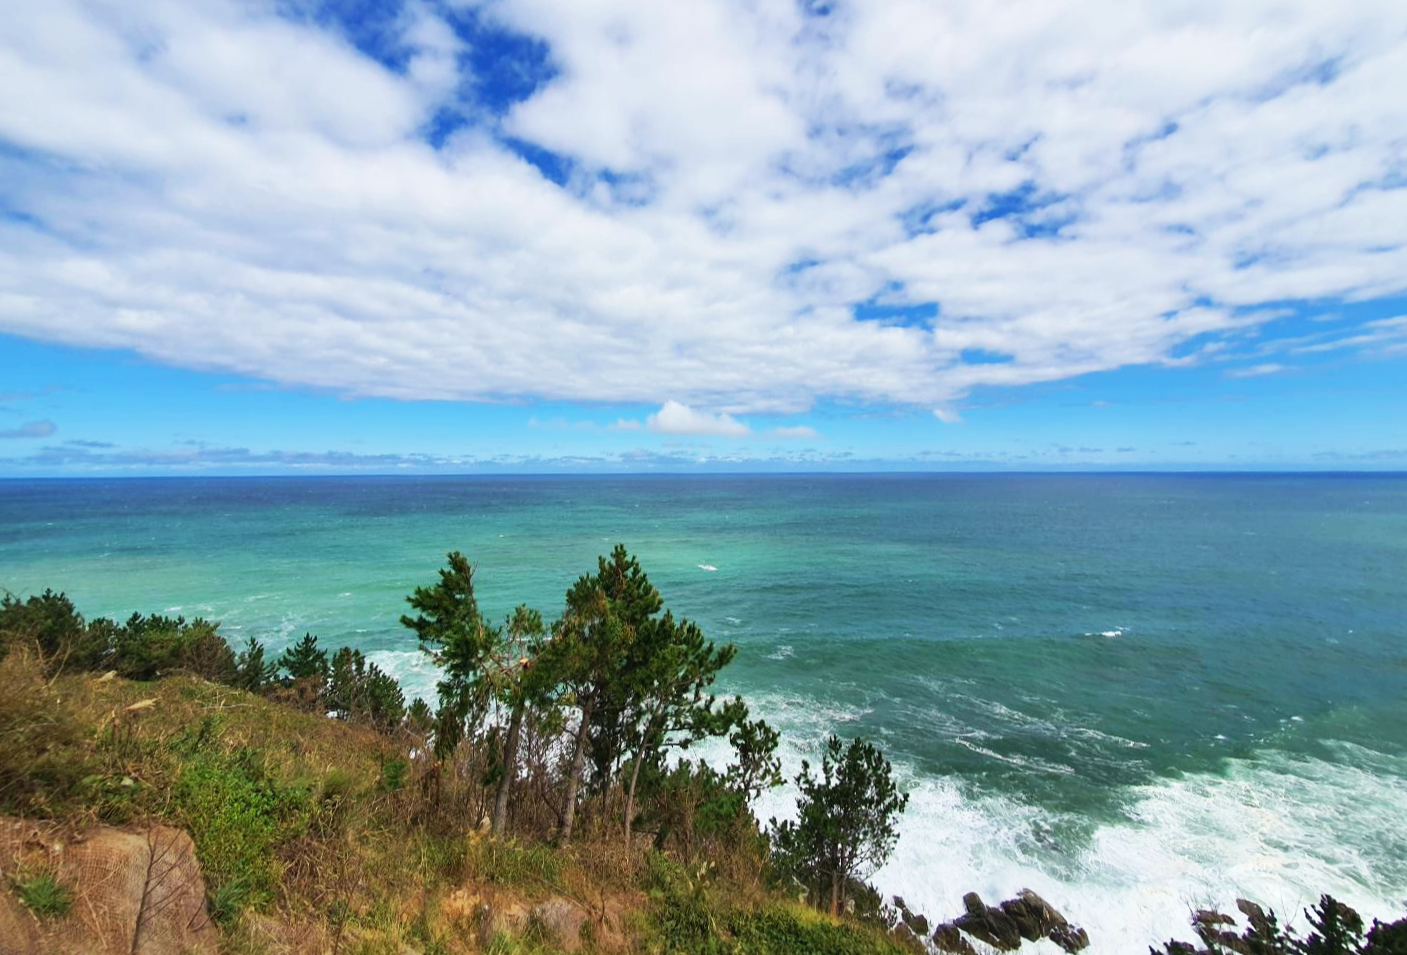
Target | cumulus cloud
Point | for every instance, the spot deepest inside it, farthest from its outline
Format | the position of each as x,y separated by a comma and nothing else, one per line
694,203
34,429
676,418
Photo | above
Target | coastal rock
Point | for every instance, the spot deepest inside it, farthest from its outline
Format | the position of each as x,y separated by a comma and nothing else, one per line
1027,917
989,924
947,938
563,921
142,893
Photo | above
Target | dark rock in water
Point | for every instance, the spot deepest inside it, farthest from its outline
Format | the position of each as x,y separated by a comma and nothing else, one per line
916,922
1028,917
992,926
1070,938
948,939
899,903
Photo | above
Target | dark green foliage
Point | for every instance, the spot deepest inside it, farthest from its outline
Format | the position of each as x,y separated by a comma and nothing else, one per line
304,660
1336,930
1387,938
359,690
48,622
43,894
690,807
756,767
418,717
394,773
451,630
146,647
251,672
846,819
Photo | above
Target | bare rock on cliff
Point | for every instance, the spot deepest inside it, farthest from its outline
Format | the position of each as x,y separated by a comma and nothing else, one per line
563,922
135,893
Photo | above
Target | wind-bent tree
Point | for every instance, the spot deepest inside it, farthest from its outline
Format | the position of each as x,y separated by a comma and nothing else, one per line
669,667
452,632
587,657
518,688
845,818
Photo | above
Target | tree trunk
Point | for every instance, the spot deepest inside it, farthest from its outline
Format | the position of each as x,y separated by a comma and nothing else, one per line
510,771
630,798
574,781
835,893
635,778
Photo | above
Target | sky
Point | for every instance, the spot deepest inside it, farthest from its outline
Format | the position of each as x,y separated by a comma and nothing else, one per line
402,236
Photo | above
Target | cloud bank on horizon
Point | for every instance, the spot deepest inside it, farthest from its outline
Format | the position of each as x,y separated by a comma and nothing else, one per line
719,208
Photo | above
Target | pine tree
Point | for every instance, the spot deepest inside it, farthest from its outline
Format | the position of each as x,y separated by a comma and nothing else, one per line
304,660
452,632
846,818
251,672
586,658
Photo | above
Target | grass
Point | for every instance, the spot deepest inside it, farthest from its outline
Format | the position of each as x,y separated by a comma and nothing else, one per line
309,823
43,894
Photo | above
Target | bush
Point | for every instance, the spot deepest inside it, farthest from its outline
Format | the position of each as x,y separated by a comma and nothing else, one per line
49,624
359,690
238,816
146,647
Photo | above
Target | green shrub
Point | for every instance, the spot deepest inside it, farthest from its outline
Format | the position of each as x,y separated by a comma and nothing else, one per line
238,817
43,894
681,912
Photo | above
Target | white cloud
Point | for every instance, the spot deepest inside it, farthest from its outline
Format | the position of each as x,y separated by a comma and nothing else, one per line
676,418
1255,371
794,432
624,424
216,187
947,415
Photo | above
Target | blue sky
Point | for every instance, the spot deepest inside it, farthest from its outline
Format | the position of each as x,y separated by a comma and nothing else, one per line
540,235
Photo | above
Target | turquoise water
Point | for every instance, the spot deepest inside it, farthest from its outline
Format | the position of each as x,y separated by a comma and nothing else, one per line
1135,694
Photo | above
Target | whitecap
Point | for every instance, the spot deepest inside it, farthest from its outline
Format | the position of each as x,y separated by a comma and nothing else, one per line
781,653
708,567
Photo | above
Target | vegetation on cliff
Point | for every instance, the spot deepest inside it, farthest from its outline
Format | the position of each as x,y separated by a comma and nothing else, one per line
543,801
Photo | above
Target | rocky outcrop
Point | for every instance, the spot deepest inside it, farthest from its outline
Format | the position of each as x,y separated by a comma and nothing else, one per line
492,916
562,921
1028,917
134,893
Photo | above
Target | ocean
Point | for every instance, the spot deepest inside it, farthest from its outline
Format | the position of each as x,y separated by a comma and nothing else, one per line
1137,695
